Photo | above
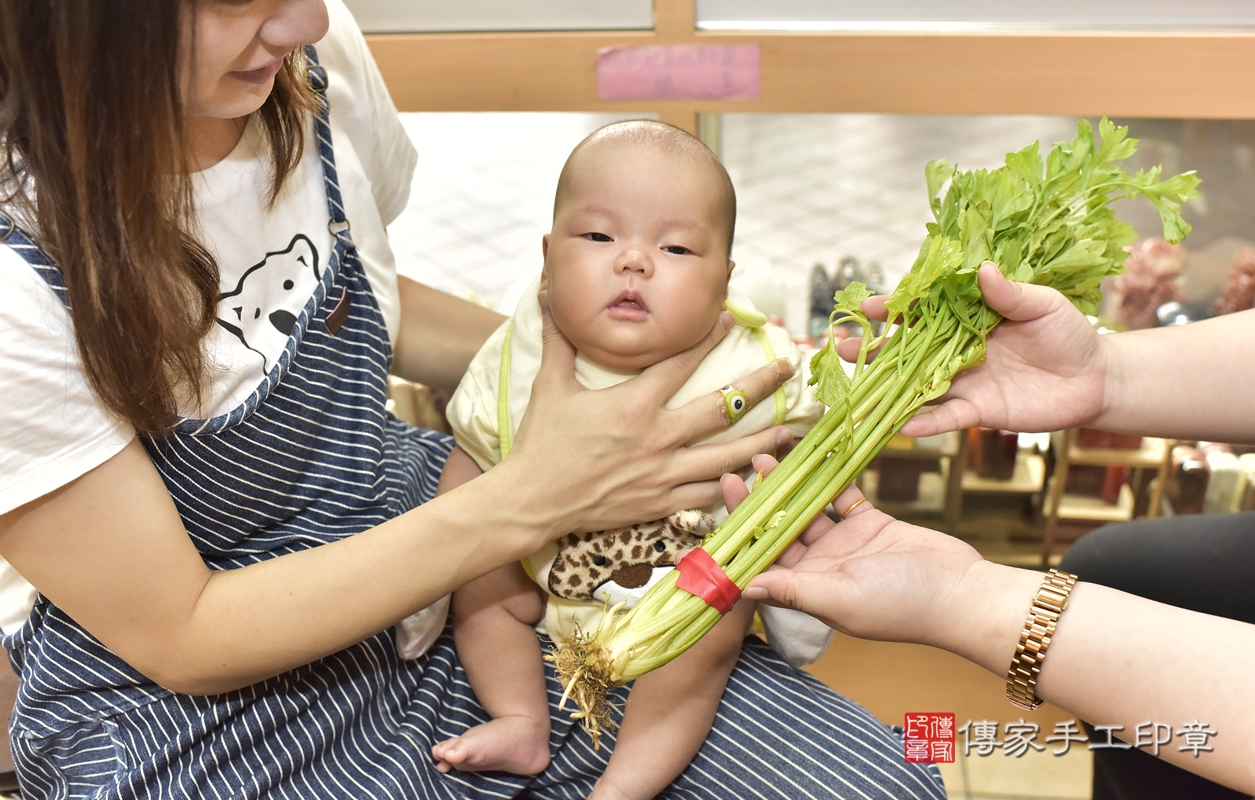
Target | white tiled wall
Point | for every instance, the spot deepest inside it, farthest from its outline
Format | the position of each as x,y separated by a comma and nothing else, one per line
482,198
384,16
815,188
811,188
931,15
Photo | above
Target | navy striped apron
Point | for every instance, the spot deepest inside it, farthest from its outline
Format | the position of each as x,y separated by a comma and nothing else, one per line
310,458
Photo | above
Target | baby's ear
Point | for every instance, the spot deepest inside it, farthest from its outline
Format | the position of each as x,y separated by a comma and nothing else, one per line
544,245
731,266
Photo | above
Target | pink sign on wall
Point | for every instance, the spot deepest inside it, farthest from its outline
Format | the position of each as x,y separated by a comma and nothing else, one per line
678,72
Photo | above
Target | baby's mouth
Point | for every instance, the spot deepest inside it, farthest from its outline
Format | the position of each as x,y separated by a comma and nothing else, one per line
630,300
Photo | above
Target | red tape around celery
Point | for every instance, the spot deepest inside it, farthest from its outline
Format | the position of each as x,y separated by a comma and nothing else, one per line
701,576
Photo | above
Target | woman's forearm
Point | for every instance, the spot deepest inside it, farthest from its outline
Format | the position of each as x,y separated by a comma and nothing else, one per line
439,335
110,550
326,598
1192,381
1121,660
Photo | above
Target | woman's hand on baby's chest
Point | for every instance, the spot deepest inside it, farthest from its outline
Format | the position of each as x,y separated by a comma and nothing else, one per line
609,458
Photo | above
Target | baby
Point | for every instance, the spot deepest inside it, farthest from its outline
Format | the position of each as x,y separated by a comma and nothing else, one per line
637,266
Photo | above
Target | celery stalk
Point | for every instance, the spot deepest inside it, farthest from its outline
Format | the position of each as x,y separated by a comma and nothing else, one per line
1044,221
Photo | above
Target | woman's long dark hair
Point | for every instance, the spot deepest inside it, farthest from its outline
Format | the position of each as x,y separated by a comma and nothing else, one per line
92,152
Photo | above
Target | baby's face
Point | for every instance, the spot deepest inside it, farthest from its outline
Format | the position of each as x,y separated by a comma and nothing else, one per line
637,262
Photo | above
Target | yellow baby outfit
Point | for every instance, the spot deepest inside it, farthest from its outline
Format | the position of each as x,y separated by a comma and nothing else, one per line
484,421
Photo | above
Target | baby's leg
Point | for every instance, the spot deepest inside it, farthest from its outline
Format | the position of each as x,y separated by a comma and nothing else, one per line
492,629
670,711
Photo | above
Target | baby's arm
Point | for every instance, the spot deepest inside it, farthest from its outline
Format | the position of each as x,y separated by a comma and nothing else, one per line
670,712
459,468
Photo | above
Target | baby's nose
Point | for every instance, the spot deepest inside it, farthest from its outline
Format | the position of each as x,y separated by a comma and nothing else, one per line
634,260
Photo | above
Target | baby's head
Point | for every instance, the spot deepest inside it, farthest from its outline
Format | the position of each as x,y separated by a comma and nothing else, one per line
637,262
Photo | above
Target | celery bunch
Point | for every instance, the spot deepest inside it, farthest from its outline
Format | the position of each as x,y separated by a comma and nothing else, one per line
1043,221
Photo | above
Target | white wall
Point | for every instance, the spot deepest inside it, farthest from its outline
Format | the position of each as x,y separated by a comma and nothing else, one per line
383,16
973,14
482,198
380,16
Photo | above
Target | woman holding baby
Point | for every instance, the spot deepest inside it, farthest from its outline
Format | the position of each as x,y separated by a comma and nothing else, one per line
222,524
201,482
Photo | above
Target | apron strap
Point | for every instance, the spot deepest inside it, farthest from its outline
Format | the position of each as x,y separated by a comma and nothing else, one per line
34,255
338,223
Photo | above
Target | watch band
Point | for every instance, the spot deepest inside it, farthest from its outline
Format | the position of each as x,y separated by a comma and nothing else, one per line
1049,602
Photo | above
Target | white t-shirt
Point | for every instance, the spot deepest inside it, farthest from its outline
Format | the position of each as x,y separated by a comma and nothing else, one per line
270,260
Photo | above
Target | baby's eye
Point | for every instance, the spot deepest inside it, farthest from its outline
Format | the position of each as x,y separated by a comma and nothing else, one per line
677,250
597,237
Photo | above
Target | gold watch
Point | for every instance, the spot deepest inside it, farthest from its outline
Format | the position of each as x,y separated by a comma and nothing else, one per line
1049,602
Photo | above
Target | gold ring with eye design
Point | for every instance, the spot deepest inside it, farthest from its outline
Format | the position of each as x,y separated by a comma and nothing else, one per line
736,401
853,506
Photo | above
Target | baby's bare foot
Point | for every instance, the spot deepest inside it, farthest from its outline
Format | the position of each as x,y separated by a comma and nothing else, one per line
510,744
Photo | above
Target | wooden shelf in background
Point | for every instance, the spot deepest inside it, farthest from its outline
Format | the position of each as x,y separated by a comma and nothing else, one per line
1211,74
1029,477
943,445
1150,454
931,500
1154,454
1087,507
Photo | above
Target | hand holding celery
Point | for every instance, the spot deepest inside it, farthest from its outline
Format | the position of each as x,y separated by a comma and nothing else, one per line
1043,221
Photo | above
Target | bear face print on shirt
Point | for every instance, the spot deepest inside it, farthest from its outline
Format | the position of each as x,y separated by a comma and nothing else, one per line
261,311
266,284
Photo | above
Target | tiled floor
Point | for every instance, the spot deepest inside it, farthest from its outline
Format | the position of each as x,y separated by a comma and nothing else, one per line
891,680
